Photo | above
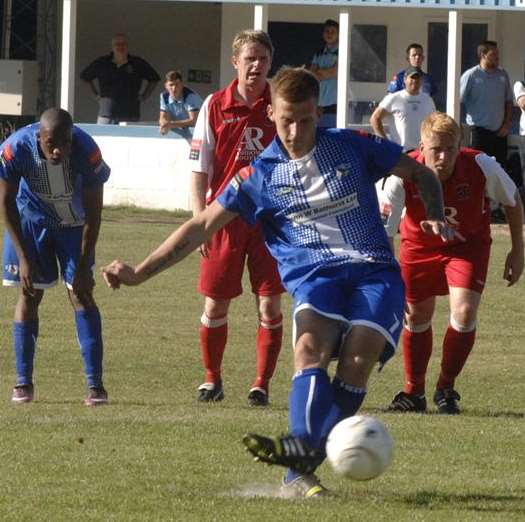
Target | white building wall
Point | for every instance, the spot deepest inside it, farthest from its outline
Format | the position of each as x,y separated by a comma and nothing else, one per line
511,41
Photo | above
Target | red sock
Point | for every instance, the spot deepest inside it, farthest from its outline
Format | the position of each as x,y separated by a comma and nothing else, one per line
417,349
213,334
456,349
269,341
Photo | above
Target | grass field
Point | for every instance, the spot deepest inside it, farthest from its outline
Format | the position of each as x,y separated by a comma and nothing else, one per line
154,454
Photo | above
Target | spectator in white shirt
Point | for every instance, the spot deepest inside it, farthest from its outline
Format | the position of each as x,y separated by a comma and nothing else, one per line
404,111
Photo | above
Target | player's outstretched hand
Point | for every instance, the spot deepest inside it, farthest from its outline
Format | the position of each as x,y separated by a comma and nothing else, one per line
513,267
117,273
442,229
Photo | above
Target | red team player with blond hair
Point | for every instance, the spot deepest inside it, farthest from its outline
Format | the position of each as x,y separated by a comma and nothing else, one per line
430,267
231,131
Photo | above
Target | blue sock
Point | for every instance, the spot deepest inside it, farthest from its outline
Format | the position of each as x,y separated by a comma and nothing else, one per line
25,334
347,401
89,333
290,475
347,397
311,398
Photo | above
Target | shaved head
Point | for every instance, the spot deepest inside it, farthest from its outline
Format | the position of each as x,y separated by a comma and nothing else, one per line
55,135
54,118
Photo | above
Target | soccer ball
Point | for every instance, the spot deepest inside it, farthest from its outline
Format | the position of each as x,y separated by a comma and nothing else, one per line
359,447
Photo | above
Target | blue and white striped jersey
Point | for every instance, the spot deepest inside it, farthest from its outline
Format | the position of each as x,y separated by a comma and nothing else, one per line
51,195
320,210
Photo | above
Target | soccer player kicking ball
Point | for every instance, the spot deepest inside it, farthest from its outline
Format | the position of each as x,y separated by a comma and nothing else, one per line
458,268
313,193
51,187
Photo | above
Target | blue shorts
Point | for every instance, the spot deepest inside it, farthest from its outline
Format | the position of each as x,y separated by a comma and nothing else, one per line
46,247
366,294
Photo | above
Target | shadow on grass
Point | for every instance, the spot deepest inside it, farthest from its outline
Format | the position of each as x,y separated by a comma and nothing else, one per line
468,501
494,414
482,414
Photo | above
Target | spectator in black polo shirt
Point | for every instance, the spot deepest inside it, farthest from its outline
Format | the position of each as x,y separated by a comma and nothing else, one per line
120,77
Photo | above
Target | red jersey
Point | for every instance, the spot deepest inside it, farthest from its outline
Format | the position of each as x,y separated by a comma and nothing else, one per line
228,136
467,207
476,177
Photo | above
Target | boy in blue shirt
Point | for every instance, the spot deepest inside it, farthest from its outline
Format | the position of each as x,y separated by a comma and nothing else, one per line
313,190
324,67
179,106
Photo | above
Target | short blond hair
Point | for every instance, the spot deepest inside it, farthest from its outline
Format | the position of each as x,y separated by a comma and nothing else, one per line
440,123
251,36
294,85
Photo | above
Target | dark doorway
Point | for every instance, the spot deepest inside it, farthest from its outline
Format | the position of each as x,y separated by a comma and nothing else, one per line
437,46
295,43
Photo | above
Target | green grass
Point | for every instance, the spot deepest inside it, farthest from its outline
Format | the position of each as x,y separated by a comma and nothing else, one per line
155,454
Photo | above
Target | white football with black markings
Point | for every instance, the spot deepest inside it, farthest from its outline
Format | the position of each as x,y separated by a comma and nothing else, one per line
359,447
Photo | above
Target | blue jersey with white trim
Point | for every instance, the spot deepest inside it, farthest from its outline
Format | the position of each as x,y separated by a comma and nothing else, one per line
51,195
320,210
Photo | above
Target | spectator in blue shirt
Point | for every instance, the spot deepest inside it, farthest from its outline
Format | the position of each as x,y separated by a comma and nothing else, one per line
179,106
415,58
487,96
324,66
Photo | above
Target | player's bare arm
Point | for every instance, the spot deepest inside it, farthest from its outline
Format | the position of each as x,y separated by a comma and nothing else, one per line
514,262
198,189
92,199
11,218
173,250
431,194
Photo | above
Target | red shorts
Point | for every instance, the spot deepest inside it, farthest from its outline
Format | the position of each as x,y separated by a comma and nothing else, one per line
229,249
464,266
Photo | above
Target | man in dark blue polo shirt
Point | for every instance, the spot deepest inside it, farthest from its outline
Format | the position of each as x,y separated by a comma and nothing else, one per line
415,58
120,77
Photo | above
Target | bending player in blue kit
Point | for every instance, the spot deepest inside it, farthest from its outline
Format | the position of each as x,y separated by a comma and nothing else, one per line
313,191
51,186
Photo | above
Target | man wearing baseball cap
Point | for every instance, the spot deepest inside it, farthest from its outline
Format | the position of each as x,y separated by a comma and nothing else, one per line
404,111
